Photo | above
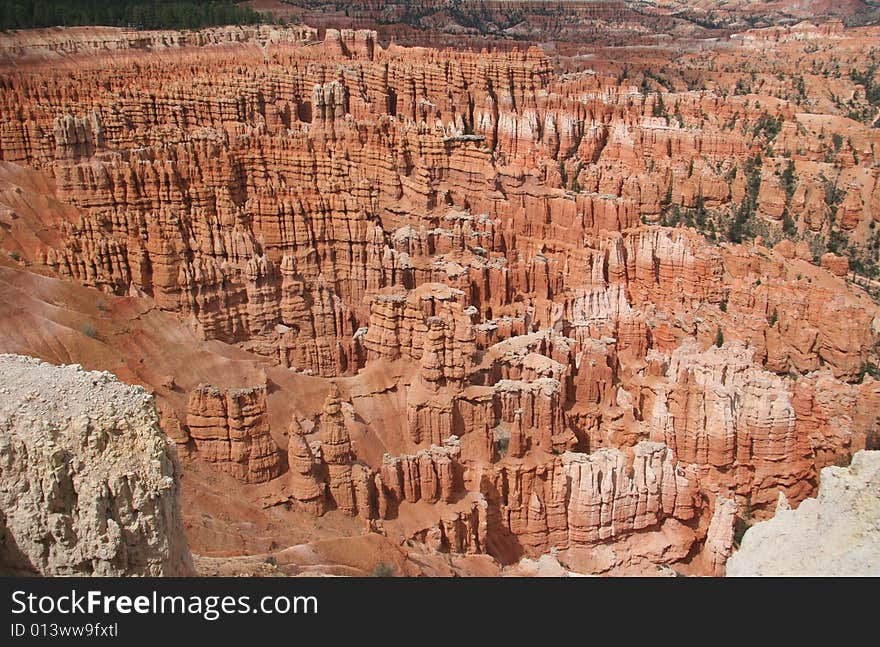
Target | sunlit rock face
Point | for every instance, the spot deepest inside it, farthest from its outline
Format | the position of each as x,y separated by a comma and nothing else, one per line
436,295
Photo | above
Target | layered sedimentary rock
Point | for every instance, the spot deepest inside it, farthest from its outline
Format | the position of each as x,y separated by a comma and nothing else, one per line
580,499
720,536
89,484
100,40
325,473
241,220
230,429
461,528
722,413
432,475
348,482
306,484
516,278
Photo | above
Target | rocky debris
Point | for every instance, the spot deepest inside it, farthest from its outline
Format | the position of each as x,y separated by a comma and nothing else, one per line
89,484
834,534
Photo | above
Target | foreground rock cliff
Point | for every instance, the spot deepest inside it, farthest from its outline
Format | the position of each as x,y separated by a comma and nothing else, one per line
834,534
89,484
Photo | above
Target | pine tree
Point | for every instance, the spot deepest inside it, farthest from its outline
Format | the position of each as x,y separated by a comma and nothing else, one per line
788,226
789,182
700,216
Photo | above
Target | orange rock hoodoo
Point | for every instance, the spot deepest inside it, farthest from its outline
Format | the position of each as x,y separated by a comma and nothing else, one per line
230,429
463,241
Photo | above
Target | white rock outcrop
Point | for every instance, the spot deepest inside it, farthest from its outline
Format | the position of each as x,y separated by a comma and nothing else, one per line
89,484
837,533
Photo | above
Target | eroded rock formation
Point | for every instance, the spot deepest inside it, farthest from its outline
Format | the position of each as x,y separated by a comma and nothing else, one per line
543,329
230,429
89,484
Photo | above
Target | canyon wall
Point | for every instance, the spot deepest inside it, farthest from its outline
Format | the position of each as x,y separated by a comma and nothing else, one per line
525,355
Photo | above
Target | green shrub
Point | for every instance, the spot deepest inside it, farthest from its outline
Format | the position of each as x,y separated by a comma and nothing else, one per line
743,523
739,531
788,226
382,570
869,368
501,445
